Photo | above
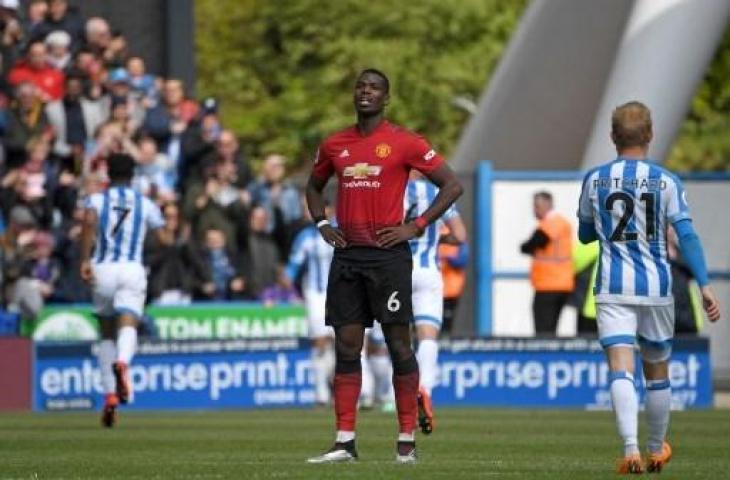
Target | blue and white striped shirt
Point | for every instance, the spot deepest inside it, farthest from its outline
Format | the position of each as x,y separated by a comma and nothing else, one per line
311,249
124,216
631,203
419,195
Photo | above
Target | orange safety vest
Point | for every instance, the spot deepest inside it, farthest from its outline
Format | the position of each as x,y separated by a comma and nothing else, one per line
454,278
552,265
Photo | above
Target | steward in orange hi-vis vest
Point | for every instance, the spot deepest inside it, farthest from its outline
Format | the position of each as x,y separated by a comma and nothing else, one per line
454,277
552,264
551,273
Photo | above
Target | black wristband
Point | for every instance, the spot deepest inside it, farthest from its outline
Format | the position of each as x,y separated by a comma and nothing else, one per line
318,219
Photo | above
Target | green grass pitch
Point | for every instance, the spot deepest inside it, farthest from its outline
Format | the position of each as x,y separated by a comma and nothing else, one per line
468,443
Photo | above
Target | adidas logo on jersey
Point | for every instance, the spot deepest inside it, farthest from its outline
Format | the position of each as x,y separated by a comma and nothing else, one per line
344,154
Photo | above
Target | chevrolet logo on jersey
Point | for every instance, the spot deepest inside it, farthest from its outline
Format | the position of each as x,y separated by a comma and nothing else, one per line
361,171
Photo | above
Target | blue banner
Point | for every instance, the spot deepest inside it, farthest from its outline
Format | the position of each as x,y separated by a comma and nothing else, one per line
277,373
181,375
557,373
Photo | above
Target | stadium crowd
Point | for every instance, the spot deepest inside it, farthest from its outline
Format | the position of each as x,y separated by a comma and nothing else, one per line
71,94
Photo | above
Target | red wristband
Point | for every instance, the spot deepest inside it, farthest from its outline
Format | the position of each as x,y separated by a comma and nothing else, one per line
421,223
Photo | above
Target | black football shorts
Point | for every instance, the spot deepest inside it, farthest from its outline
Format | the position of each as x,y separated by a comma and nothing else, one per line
368,283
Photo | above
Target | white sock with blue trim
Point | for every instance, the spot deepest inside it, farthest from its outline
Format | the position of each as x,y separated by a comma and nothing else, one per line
323,361
427,356
367,389
106,355
126,344
658,404
626,406
383,374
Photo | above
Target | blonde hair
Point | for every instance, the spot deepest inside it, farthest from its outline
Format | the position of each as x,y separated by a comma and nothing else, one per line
631,125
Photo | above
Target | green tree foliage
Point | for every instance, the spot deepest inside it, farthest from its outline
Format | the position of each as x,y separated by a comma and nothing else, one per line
284,70
704,139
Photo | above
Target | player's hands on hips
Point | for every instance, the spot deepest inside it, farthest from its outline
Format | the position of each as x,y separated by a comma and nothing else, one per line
333,236
710,303
87,275
391,236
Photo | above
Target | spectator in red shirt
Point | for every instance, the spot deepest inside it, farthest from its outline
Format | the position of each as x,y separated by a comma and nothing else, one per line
36,69
370,275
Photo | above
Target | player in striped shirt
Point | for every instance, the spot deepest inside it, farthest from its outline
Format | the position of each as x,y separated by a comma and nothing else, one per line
115,224
627,205
311,253
428,289
428,284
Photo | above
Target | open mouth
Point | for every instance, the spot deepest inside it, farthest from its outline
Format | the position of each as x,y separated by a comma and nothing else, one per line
364,102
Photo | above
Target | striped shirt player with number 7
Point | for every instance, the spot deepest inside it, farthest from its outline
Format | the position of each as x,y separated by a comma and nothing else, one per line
628,205
115,224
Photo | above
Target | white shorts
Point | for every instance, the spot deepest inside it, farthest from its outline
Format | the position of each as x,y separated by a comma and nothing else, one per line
119,288
428,297
315,304
651,325
375,335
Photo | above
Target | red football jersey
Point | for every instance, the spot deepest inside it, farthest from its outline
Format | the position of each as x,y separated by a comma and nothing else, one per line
372,172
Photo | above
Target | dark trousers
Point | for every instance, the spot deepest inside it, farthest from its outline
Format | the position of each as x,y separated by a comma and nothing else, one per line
587,326
546,309
450,305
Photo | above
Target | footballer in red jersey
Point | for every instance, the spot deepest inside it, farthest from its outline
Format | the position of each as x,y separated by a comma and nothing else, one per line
373,172
370,275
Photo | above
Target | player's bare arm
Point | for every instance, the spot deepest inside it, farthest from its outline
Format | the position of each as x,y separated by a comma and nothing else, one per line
316,204
710,303
457,229
450,189
88,233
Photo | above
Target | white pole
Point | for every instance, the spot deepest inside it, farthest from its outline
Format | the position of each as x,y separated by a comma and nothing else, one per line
663,56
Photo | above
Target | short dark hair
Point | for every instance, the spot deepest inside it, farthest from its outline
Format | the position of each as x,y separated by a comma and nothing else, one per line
30,45
121,167
85,49
543,195
76,74
379,73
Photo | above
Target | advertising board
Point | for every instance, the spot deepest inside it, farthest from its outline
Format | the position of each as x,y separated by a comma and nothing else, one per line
277,372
